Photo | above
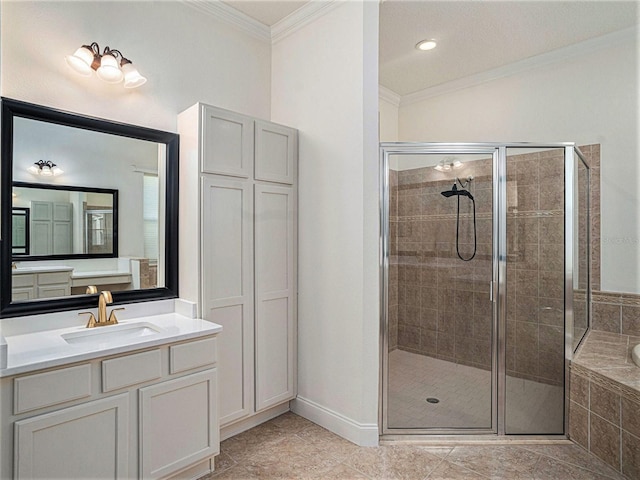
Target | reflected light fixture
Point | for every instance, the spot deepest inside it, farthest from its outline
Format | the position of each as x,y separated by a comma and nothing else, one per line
45,168
448,164
426,45
88,58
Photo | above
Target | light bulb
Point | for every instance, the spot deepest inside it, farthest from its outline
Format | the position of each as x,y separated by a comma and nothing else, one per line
109,70
33,170
57,171
45,171
457,164
132,77
81,61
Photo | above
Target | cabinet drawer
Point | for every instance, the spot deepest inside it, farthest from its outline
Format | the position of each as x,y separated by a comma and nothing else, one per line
53,278
192,355
23,280
125,371
53,291
51,388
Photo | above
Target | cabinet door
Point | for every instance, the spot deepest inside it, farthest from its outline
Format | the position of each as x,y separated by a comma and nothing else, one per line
275,294
81,442
41,237
227,288
41,228
62,228
54,291
275,153
227,142
178,424
22,294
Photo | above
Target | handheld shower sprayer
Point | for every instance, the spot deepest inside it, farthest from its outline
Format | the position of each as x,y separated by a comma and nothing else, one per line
458,193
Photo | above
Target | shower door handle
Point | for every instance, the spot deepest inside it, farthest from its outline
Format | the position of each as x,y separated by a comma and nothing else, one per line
491,290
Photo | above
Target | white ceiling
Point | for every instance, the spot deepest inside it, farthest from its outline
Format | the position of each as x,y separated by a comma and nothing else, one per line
476,36
267,12
473,35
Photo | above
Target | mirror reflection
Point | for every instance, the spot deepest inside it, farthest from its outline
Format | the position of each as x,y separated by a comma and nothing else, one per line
67,231
63,220
20,237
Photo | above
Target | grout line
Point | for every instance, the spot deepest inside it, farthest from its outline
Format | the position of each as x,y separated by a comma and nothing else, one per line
576,464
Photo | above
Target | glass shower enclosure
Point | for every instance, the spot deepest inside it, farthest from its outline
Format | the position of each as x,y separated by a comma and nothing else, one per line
485,286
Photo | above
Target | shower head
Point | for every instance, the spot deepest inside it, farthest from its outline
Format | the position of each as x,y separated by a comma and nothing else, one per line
451,193
454,191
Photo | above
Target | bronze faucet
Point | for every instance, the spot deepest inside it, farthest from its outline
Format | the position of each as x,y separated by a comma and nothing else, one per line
104,299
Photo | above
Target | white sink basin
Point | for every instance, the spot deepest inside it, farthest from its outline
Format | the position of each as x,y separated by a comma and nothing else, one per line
635,354
112,333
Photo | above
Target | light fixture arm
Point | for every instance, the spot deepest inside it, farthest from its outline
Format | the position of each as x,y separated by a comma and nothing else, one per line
113,52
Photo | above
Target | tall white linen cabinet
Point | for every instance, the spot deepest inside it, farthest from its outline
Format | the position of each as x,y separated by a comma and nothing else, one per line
238,253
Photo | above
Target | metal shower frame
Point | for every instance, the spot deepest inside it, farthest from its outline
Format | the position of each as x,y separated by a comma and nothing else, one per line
498,152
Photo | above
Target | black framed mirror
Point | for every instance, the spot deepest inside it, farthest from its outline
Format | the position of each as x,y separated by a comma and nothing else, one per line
131,251
63,222
20,232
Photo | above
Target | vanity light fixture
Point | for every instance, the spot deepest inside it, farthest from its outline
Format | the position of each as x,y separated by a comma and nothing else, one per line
447,164
426,45
106,65
45,168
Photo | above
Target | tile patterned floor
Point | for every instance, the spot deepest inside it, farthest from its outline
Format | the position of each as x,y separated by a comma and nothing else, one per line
464,395
291,447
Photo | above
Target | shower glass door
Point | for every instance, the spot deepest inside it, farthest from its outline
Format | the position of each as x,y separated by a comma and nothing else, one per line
535,293
440,365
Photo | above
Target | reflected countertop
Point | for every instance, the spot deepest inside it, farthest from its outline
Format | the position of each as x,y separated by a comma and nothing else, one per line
100,273
40,269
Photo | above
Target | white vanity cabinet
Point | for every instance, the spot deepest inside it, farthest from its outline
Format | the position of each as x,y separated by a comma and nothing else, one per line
238,210
47,283
148,414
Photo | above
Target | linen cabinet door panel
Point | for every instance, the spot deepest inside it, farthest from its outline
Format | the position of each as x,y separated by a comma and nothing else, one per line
81,442
178,424
235,360
227,258
41,237
275,153
227,142
275,294
62,238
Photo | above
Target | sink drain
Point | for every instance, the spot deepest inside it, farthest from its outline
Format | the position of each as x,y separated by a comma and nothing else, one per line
433,400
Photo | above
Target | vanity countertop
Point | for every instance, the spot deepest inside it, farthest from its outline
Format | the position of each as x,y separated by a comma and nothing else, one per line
51,348
100,273
41,269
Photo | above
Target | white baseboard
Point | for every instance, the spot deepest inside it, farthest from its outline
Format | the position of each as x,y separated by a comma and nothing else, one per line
253,421
363,434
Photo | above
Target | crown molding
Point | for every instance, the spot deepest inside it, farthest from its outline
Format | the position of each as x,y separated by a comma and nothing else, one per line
230,15
389,95
306,14
521,66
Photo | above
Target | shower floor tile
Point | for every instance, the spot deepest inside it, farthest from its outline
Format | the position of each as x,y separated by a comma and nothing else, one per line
464,397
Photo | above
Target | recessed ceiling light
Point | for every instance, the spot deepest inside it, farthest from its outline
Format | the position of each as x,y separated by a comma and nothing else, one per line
426,45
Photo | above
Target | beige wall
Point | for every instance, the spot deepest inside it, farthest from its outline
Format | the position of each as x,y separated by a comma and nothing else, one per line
187,56
589,97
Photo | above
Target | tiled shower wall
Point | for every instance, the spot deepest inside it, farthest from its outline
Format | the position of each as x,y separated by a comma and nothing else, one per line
439,305
535,266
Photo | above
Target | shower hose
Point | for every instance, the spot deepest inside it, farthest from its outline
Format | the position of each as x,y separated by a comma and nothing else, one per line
475,236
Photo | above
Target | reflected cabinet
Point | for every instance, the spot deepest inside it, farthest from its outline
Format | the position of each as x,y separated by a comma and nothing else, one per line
238,206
